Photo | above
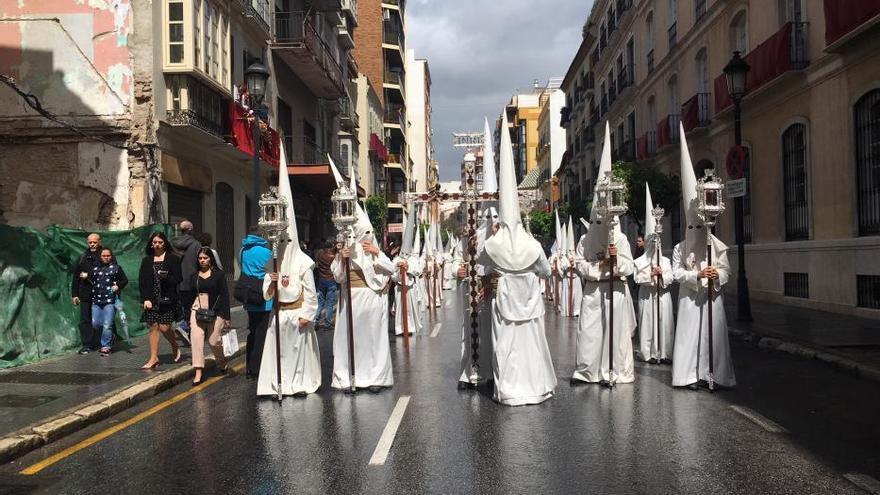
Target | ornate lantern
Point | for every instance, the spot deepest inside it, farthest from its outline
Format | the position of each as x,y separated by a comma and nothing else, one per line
344,201
711,203
273,216
611,201
658,213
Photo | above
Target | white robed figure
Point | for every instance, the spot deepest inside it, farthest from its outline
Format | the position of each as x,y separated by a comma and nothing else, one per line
571,287
420,284
489,216
592,363
448,257
655,341
413,267
689,267
297,306
521,366
371,271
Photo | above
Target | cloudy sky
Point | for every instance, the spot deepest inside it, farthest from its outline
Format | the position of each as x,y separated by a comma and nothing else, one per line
480,51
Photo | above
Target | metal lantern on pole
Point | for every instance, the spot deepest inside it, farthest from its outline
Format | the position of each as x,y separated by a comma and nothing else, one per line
256,76
344,217
709,206
273,222
736,72
611,199
658,213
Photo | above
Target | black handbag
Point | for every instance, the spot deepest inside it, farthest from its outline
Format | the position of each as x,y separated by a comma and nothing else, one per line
249,290
205,315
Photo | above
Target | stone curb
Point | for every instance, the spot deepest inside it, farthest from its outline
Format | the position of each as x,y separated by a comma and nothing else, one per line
841,363
21,442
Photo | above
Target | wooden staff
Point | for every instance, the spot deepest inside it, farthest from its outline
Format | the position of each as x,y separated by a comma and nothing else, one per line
709,288
556,283
659,342
350,322
404,307
277,306
613,261
571,291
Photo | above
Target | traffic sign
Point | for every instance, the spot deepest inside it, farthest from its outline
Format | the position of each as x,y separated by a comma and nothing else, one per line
736,188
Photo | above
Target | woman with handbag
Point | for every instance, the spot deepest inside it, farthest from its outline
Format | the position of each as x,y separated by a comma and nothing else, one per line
157,282
210,313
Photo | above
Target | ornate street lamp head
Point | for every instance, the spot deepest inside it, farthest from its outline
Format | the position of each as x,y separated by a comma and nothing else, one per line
256,76
710,202
736,71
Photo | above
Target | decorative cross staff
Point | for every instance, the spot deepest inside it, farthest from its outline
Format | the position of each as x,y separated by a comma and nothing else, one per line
711,205
658,213
273,221
611,205
344,201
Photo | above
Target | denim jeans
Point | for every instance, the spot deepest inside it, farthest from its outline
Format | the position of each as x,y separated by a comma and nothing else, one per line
328,290
102,320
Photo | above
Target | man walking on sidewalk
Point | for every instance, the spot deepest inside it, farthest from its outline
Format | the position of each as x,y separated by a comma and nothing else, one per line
255,253
188,247
81,290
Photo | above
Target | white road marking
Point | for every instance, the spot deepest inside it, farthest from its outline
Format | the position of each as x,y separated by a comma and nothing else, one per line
759,420
435,330
387,438
864,482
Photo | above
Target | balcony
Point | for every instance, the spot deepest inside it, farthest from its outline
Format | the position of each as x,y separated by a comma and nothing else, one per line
846,20
667,131
378,151
344,35
626,151
594,119
300,46
194,104
612,92
258,11
240,132
349,9
565,116
603,106
392,35
626,79
783,52
646,147
395,115
672,34
348,118
695,112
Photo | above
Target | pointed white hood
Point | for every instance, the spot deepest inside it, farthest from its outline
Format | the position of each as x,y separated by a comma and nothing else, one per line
511,249
406,244
417,243
596,240
696,235
569,237
293,262
557,243
490,182
650,224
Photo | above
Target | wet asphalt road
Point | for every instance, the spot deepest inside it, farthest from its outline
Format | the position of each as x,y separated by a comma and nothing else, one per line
640,438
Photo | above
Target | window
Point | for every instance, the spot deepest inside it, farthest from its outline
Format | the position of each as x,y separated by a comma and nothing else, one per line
791,11
796,285
197,32
702,66
175,32
206,28
867,127
739,38
672,87
224,49
215,43
794,162
699,10
672,13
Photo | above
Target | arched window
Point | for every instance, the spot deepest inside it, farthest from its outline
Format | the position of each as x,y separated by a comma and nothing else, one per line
739,35
702,66
649,41
794,177
867,127
225,227
672,88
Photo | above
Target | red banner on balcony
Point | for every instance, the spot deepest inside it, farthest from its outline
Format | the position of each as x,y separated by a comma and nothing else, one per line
690,113
842,18
378,147
242,138
642,147
663,133
767,61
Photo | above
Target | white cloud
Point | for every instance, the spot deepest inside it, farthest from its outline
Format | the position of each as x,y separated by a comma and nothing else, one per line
481,51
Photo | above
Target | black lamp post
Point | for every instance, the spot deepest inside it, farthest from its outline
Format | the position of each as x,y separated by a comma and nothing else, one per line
735,72
256,77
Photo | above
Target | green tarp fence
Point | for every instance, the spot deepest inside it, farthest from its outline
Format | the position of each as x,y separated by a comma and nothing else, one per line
37,317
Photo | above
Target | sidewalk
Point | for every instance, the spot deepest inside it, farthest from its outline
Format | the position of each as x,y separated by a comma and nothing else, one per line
850,343
44,401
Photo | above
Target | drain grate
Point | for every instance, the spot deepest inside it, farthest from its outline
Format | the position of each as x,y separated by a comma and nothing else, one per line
25,401
57,378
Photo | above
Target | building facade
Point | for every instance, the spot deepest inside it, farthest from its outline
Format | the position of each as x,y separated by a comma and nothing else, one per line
418,90
809,125
551,140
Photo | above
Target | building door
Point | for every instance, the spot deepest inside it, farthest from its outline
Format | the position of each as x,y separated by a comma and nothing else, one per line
186,204
224,232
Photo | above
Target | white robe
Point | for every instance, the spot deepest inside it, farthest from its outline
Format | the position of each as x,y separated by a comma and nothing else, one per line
414,315
648,348
521,364
691,357
372,350
300,356
592,339
448,274
571,289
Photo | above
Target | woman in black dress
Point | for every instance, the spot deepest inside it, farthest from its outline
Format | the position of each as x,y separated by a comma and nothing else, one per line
157,281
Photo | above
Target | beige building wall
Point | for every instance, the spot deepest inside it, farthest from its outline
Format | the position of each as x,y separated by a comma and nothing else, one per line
820,96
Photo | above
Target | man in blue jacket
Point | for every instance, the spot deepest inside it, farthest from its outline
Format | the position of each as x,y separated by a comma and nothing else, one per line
255,254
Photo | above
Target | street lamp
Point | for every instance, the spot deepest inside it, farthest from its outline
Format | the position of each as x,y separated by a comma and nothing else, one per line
256,77
736,72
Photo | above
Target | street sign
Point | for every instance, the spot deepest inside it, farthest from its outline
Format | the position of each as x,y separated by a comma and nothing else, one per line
395,228
736,188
